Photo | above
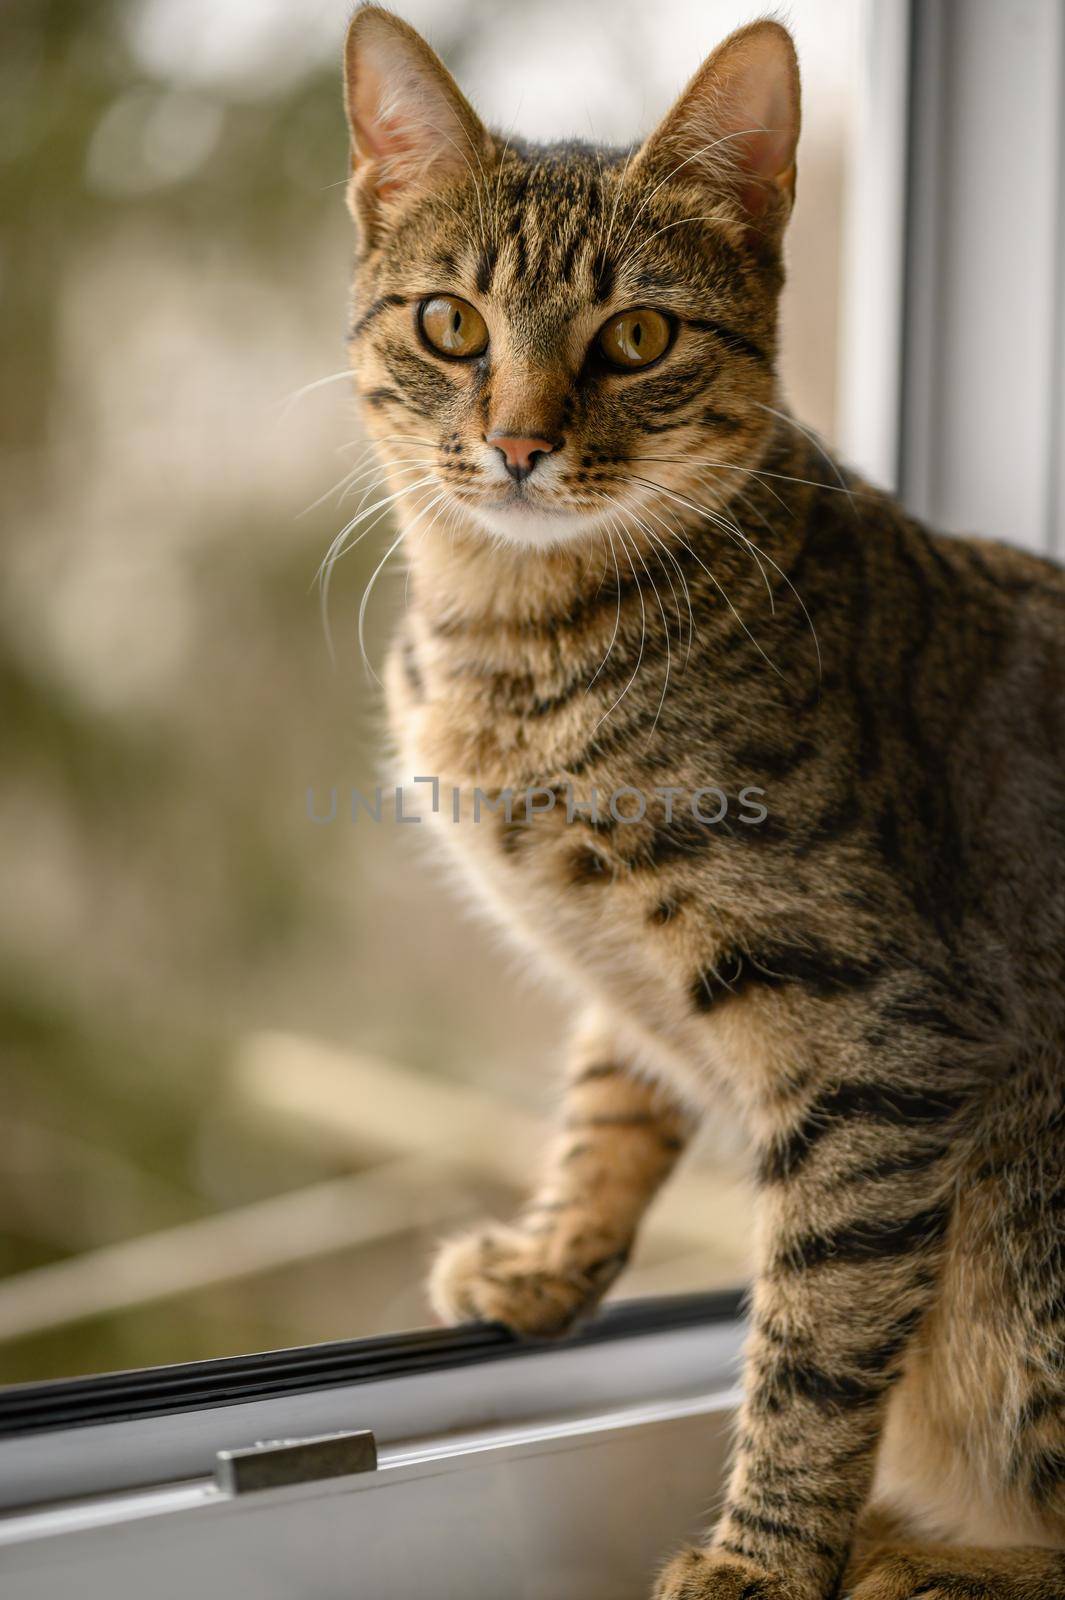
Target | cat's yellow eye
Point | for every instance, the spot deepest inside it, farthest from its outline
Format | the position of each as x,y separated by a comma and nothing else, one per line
452,327
635,338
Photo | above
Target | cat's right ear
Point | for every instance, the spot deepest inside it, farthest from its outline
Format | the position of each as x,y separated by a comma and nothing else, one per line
412,130
735,130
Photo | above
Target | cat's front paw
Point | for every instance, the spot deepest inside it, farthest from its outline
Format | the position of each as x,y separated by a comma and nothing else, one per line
501,1274
716,1575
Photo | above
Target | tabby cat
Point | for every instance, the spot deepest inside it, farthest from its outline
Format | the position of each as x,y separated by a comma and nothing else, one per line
566,357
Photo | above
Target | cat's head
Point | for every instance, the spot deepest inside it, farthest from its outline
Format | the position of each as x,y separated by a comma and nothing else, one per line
548,338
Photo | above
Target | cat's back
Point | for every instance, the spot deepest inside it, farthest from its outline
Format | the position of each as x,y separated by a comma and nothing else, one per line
945,672
966,634
1008,605
1013,603
1033,584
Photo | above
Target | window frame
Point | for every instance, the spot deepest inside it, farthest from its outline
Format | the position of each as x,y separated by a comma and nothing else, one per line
96,1435
108,1484
985,272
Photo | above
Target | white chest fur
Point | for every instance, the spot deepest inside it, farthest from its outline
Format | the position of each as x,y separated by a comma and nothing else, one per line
590,934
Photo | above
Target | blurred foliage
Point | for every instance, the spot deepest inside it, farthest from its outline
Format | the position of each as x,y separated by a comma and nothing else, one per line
165,892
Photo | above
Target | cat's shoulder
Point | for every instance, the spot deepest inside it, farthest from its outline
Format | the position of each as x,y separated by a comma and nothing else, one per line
1006,565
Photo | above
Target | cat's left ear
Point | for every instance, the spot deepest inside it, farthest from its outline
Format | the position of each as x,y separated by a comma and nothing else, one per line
412,129
736,127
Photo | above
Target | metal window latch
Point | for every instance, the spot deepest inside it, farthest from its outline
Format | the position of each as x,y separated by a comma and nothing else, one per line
282,1463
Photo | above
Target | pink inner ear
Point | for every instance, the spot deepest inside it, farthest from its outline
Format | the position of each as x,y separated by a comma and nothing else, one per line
760,98
380,138
386,136
388,139
767,155
401,120
387,124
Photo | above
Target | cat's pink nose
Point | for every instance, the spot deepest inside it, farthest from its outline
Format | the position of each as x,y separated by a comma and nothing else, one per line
520,454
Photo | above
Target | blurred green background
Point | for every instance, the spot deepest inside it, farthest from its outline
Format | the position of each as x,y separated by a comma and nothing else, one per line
208,1004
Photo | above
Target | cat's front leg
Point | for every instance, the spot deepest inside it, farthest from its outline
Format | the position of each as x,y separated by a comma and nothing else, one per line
855,1209
620,1136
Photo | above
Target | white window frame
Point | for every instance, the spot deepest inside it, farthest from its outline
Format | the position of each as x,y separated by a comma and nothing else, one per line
952,365
501,1468
872,312
983,395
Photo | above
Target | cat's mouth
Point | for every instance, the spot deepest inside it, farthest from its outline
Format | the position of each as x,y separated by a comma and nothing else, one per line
520,518
519,497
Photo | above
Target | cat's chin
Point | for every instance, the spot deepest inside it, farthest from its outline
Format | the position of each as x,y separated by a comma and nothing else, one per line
534,527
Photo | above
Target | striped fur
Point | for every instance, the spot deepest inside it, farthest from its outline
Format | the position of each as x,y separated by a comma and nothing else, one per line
873,976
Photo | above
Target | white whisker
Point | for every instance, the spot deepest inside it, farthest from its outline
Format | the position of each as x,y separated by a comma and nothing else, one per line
660,550
309,388
756,551
643,631
811,438
713,579
665,629
727,466
696,155
368,590
617,618
337,548
349,483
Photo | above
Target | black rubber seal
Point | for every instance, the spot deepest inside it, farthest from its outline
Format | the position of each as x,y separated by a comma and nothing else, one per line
232,1380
